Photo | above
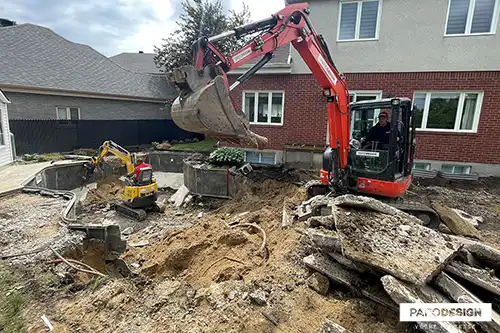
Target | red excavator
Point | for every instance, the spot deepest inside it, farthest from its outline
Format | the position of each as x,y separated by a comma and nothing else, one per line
381,168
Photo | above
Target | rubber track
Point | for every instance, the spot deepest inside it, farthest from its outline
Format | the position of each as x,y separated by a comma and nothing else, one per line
136,214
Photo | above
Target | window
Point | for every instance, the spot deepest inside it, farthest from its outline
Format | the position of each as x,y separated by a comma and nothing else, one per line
260,157
447,111
361,122
68,113
358,20
457,169
264,107
468,17
422,166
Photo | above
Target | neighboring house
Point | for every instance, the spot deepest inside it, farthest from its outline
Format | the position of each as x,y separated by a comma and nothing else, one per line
443,54
6,155
48,77
137,62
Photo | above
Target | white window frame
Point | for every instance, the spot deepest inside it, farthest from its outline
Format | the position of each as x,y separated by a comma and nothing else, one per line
68,113
470,16
260,156
468,168
256,106
427,166
358,21
458,115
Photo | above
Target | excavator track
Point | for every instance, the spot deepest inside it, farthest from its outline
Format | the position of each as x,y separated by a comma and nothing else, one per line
426,214
136,214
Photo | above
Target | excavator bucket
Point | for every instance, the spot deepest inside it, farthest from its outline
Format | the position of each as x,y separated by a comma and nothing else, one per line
204,106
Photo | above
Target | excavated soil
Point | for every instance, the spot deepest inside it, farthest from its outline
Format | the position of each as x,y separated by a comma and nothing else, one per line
107,190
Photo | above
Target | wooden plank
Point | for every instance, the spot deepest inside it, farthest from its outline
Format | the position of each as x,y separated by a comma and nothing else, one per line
480,277
461,295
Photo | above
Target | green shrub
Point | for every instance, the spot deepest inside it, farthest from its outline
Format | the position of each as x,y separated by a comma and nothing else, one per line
227,156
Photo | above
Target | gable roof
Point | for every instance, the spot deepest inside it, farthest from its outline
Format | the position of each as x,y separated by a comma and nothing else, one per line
36,57
137,62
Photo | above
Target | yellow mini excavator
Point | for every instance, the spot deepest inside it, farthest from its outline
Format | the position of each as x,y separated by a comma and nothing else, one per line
140,193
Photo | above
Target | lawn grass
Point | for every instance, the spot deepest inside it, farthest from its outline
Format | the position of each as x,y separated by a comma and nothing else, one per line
205,146
11,305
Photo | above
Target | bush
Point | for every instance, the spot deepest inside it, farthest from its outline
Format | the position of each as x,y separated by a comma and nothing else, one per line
227,156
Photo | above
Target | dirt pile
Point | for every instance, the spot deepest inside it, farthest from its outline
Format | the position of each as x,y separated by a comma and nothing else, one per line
107,190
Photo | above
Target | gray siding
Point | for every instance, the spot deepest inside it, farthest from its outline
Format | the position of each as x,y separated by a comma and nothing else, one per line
34,106
411,39
5,150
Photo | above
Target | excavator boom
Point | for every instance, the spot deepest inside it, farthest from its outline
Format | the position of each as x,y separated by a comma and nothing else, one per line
110,147
204,105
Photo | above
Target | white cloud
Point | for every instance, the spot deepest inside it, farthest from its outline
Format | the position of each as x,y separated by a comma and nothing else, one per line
259,9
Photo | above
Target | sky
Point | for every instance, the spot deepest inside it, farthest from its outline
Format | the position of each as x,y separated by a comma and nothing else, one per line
115,26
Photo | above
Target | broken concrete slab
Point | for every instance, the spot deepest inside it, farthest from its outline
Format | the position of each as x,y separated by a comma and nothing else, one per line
352,265
454,221
331,327
325,239
335,271
461,295
480,277
319,283
393,244
327,222
287,218
376,293
362,202
401,292
474,220
487,255
178,198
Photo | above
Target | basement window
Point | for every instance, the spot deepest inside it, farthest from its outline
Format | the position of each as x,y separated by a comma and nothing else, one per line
68,113
457,169
422,166
447,111
260,157
264,107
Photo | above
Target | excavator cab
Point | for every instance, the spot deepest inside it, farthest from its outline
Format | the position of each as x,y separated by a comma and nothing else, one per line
383,167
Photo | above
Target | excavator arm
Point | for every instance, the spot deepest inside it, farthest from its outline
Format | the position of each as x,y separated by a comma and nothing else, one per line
110,147
204,105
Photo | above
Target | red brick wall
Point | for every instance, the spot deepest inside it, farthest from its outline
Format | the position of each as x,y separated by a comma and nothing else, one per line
305,110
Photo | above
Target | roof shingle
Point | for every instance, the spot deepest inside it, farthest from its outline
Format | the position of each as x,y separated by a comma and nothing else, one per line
137,62
35,56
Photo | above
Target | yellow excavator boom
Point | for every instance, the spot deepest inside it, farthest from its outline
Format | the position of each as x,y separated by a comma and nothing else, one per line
110,147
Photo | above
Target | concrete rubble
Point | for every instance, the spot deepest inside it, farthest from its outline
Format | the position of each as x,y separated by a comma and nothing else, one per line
384,254
455,222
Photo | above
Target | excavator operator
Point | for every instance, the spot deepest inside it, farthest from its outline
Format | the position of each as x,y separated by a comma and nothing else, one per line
140,165
380,133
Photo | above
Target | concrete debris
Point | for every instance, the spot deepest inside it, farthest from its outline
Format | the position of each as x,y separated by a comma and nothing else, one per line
461,295
480,277
287,217
331,327
454,221
384,242
172,180
200,215
474,220
361,202
128,231
352,265
336,272
178,198
376,293
401,292
327,240
258,297
487,255
319,283
321,221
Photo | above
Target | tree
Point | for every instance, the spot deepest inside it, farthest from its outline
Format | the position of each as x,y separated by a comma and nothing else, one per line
200,18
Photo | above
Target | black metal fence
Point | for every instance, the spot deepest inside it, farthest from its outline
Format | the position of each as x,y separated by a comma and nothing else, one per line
47,136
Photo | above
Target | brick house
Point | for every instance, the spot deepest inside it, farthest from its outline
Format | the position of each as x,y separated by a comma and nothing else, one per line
442,54
48,77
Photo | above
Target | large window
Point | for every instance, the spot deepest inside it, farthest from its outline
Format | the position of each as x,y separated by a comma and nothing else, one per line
264,107
68,113
359,20
361,122
466,17
447,111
